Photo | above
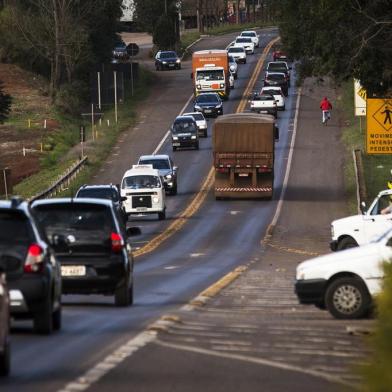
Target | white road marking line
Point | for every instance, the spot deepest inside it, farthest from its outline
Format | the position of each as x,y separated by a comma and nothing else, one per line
171,267
197,254
234,212
259,361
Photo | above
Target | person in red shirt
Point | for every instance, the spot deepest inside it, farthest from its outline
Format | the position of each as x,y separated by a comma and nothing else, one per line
325,107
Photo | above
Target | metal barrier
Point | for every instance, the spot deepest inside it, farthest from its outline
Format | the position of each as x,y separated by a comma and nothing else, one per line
62,182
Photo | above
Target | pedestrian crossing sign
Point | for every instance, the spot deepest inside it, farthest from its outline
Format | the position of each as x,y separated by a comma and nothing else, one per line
379,126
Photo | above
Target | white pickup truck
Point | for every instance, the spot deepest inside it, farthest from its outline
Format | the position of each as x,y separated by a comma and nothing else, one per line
361,229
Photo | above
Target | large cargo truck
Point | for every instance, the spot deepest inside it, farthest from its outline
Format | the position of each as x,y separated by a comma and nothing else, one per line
244,153
210,72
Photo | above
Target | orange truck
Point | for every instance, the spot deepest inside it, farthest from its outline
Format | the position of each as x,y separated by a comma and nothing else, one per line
210,72
244,154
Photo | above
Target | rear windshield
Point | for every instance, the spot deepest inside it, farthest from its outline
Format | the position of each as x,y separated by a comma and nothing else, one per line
99,193
276,67
265,97
14,227
156,163
250,34
276,77
74,217
272,91
184,126
140,182
236,50
244,39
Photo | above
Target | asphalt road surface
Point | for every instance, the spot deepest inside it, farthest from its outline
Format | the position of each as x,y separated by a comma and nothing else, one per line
211,241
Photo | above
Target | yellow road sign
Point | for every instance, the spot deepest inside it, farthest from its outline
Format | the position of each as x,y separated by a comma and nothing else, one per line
379,126
359,98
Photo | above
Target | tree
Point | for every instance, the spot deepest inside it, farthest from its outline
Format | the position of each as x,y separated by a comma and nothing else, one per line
5,103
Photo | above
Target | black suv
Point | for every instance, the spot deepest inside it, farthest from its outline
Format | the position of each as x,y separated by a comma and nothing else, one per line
185,133
167,60
31,267
110,192
165,166
278,79
89,239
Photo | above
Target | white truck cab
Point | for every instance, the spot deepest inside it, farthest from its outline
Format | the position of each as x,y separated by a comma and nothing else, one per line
361,229
144,191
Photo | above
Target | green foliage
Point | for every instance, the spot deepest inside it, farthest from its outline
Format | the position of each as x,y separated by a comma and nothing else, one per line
5,103
344,38
378,375
71,98
164,36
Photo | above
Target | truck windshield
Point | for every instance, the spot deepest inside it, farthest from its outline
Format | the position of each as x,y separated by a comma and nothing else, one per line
141,181
210,74
184,127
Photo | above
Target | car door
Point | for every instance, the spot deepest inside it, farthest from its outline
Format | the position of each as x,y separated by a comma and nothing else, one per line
375,222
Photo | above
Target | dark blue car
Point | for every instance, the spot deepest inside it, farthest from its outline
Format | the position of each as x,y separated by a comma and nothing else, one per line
167,60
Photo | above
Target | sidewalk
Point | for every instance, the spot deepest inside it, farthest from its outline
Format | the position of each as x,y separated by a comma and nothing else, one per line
257,319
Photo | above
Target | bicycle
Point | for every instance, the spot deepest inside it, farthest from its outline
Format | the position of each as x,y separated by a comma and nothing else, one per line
326,117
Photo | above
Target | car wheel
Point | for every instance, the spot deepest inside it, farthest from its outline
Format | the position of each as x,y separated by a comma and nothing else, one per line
245,61
284,107
347,298
123,295
43,320
235,76
57,319
205,133
174,148
5,359
347,243
174,190
197,146
162,215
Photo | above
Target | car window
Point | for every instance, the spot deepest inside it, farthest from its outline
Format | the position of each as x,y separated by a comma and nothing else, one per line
236,50
99,193
14,227
271,91
209,74
167,55
184,126
276,77
141,181
276,67
205,98
243,40
250,34
158,164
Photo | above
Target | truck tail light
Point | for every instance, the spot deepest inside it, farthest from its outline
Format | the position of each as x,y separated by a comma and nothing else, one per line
117,242
264,169
34,259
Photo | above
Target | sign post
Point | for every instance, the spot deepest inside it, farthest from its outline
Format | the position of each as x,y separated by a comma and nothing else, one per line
379,126
360,96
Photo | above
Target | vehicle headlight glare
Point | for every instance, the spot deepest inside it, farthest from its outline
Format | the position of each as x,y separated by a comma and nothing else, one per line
222,85
197,107
178,61
193,137
155,199
175,137
168,176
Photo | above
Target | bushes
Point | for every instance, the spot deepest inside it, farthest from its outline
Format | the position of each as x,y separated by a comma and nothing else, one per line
71,98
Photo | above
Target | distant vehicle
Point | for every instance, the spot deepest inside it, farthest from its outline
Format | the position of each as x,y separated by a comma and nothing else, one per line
357,230
5,349
251,34
184,132
246,43
277,93
346,282
277,79
144,190
264,103
279,55
238,52
233,67
31,267
165,166
110,192
243,147
201,122
279,66
209,104
120,51
90,241
167,59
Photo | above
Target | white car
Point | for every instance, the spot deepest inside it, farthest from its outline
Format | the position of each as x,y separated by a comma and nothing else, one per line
201,122
246,43
361,229
345,282
251,34
238,52
233,66
277,94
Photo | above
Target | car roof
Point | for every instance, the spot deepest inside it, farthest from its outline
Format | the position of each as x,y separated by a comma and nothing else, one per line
97,186
183,118
150,157
72,200
192,113
274,88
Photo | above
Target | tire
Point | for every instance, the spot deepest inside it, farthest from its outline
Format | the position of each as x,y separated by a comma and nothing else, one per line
205,133
43,320
174,190
347,298
284,107
162,215
347,243
123,295
57,319
5,359
235,76
245,61
174,148
197,146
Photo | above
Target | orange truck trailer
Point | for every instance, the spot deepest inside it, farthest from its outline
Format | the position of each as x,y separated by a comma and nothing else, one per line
210,72
244,154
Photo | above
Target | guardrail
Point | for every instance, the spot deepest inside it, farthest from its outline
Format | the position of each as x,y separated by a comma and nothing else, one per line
62,182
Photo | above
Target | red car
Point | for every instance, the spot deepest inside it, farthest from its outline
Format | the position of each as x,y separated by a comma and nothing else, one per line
4,328
279,55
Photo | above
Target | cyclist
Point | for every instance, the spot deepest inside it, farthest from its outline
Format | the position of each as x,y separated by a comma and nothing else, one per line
325,106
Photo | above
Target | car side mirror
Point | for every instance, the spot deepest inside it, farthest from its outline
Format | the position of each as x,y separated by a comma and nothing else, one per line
123,198
133,231
363,207
175,168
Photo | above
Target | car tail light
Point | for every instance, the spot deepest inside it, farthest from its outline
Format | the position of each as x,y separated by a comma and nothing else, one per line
264,169
34,259
117,242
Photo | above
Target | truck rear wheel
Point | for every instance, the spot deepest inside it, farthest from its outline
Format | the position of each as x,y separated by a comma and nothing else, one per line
162,215
346,243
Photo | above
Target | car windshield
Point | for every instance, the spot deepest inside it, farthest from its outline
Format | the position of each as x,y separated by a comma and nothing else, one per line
158,164
167,55
243,40
250,34
210,74
207,98
99,193
184,127
141,181
236,50
14,227
69,217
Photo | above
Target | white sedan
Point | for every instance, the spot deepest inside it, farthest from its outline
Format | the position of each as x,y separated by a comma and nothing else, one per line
277,94
251,34
238,52
246,43
345,282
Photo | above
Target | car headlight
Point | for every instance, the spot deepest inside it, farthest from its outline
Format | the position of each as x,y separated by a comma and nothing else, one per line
222,85
300,274
193,137
175,137
164,62
178,61
168,176
232,68
219,106
155,199
197,107
198,87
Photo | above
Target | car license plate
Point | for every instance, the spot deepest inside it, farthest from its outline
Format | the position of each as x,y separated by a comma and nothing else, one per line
141,209
171,65
73,270
208,111
243,174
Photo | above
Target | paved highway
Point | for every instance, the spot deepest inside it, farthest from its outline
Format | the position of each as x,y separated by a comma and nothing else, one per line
218,237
